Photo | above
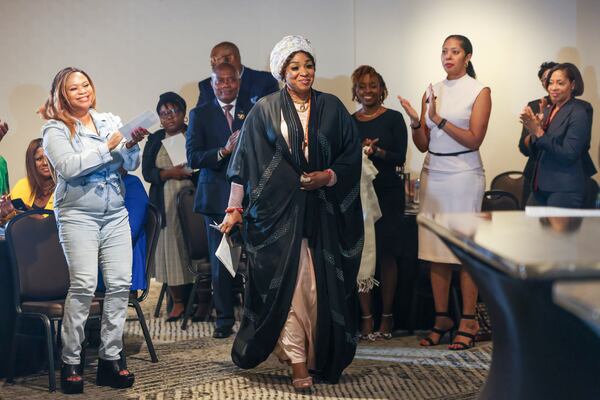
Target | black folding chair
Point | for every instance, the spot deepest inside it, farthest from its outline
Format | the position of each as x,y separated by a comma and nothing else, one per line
499,200
196,244
511,182
40,282
152,229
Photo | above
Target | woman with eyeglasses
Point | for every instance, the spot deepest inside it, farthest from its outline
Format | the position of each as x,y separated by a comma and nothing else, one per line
166,181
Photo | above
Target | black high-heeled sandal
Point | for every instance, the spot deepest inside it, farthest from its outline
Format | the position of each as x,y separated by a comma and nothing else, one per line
385,335
440,332
368,336
462,345
71,379
109,374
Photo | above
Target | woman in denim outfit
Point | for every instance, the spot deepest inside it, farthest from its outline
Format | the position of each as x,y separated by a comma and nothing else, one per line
87,150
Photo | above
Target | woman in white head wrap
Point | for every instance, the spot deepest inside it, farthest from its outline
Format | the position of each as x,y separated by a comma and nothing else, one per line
295,189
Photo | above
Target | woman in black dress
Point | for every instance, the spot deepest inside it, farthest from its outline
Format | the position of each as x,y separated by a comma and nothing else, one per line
384,137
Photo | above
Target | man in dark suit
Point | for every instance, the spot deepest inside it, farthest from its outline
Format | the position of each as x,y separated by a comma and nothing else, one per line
254,85
210,139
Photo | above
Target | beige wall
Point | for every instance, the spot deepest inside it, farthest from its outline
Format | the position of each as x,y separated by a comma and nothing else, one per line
135,50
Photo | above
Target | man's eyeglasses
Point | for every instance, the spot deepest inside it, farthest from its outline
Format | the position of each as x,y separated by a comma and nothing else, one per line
169,112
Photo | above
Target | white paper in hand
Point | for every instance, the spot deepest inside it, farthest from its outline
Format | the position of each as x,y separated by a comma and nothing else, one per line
145,120
175,147
229,256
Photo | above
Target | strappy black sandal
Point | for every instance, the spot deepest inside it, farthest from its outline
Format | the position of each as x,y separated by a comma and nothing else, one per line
440,332
384,335
368,336
462,345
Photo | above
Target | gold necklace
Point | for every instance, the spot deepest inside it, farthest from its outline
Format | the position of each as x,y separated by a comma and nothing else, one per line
303,104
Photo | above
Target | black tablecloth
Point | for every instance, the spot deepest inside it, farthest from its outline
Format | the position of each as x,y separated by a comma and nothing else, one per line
412,276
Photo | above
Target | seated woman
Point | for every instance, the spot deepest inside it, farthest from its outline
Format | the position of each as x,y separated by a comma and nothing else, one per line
37,188
561,142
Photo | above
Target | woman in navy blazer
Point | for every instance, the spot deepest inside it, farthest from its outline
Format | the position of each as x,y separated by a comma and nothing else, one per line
561,142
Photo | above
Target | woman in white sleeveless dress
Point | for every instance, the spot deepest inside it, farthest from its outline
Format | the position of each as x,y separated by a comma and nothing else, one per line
453,122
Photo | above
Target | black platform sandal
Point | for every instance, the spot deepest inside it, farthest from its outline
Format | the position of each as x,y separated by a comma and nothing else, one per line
472,336
440,332
110,373
71,379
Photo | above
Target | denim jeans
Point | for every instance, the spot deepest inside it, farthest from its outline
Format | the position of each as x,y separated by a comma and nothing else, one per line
91,238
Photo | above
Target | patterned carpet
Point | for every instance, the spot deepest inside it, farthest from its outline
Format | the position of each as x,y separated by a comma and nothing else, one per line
193,365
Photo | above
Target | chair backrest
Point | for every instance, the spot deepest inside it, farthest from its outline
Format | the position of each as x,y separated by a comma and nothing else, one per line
509,181
39,268
152,229
192,225
499,200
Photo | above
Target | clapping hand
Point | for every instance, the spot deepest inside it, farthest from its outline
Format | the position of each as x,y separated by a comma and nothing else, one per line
231,143
543,105
410,111
369,146
432,112
532,122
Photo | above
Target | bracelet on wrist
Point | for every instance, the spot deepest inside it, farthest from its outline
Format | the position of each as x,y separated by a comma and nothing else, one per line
417,126
229,210
442,123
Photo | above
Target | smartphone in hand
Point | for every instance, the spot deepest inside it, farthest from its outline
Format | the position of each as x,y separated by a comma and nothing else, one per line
18,204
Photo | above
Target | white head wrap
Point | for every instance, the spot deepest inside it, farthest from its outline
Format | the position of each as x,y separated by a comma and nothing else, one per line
285,47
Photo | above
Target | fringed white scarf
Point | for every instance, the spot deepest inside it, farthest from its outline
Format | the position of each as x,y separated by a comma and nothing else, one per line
371,213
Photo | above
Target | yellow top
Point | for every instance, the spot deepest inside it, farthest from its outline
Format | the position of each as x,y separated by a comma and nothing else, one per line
22,191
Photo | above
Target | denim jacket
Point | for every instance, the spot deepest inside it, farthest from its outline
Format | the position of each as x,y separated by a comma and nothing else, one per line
87,173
